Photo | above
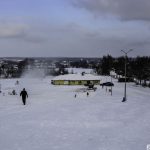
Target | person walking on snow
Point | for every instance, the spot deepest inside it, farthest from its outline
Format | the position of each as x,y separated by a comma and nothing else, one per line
87,94
24,95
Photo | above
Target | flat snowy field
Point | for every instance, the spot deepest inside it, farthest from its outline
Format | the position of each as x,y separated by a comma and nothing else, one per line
54,119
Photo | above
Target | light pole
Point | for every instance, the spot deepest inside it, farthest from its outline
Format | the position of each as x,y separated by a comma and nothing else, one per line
111,82
125,88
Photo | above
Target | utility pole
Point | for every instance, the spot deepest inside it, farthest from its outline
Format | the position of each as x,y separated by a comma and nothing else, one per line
111,85
125,88
111,82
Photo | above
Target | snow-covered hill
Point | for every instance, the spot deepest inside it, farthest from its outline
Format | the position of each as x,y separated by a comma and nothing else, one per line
54,119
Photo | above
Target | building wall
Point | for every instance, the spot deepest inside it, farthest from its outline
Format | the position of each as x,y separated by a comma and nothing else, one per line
75,82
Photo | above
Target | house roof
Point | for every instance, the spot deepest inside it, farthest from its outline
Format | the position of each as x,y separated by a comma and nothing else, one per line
77,77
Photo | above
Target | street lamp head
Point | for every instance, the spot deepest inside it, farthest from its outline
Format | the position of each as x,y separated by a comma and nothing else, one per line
123,51
130,50
127,51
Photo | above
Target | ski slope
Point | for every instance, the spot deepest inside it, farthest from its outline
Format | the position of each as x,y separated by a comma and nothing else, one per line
54,119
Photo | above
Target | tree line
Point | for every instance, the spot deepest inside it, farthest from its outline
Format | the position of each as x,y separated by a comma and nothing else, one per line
138,68
12,69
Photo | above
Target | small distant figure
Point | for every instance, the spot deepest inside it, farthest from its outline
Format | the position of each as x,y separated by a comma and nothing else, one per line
75,95
17,82
24,95
14,92
87,94
124,99
106,89
110,90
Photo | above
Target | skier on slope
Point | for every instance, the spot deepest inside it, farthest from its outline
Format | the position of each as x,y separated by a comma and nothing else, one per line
24,95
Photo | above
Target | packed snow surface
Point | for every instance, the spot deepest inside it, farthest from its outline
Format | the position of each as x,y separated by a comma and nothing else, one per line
54,119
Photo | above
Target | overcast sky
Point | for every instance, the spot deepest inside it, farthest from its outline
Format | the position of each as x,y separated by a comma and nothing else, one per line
74,28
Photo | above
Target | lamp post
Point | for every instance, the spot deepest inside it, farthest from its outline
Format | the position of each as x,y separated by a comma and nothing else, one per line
111,82
125,88
111,86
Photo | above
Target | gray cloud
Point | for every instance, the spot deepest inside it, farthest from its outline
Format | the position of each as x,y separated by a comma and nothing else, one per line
122,9
8,30
72,40
20,32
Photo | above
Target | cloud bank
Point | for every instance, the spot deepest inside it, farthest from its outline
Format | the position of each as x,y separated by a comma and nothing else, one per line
122,9
67,28
72,40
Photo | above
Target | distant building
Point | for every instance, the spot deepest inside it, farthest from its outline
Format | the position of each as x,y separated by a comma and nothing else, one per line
76,79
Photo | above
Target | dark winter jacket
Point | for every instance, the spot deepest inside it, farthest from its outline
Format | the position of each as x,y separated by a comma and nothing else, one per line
23,94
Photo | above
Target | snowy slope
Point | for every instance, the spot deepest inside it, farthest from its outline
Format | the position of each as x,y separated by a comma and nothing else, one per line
54,120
